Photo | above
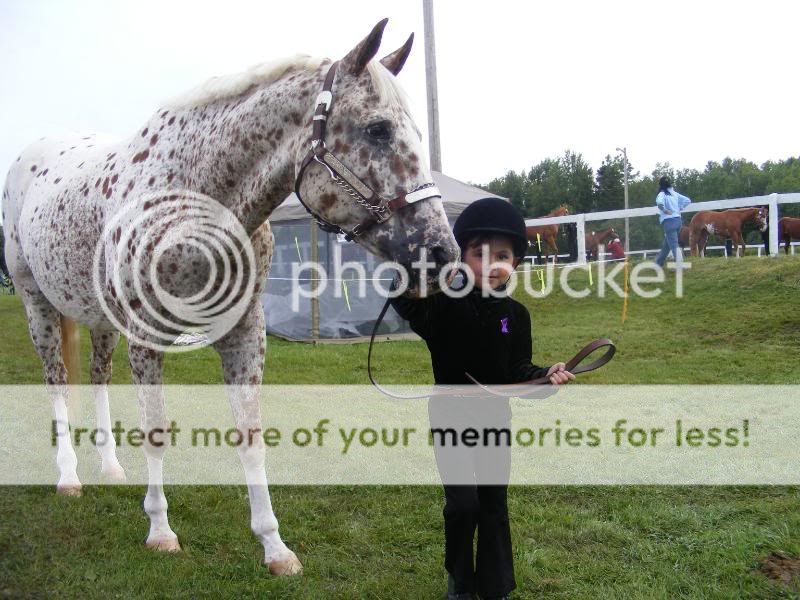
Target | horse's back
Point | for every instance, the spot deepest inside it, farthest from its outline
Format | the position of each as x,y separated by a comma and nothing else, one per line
52,214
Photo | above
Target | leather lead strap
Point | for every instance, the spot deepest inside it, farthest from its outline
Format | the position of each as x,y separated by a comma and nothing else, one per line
519,389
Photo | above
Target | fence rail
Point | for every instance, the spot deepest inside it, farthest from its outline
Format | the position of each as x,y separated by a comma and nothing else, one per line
771,200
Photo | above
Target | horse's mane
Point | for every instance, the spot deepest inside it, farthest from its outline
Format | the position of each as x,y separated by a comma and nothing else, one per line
228,86
232,85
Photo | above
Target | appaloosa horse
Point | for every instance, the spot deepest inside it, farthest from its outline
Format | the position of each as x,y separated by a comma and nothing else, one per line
546,234
594,239
724,224
245,141
788,229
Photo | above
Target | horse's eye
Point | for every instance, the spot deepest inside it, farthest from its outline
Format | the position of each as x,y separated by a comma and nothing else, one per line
379,131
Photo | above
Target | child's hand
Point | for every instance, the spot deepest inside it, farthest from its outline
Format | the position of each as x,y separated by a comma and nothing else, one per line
558,374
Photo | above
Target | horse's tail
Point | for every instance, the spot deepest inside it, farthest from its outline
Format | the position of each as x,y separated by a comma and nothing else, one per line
70,350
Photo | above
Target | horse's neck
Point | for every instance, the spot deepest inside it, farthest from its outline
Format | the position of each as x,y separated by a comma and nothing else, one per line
747,214
239,151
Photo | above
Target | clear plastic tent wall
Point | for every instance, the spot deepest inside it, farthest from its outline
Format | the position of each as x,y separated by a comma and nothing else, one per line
342,312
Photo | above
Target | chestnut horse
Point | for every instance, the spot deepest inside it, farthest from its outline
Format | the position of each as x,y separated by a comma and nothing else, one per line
683,236
547,234
788,229
724,224
594,239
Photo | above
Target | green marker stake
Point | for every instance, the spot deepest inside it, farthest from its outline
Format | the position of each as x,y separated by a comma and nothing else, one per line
346,296
297,245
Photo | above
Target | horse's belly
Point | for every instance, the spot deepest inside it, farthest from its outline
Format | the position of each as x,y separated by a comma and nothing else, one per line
59,247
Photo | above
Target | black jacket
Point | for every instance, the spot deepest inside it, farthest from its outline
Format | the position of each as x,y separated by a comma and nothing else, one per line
490,338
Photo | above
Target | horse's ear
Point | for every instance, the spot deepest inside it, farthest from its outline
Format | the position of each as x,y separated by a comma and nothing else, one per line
357,59
395,61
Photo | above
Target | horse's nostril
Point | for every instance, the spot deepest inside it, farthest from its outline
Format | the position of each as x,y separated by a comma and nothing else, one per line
439,256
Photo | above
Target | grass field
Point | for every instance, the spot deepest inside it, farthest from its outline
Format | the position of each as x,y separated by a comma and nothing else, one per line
738,322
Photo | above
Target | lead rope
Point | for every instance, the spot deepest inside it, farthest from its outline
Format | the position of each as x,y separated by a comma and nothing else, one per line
519,389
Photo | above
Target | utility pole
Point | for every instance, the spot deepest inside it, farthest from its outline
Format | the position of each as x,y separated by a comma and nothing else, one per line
625,180
433,94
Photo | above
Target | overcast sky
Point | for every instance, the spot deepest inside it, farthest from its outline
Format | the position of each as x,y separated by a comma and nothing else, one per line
683,82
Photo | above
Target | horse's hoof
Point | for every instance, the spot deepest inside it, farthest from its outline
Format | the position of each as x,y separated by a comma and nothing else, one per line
287,566
114,474
163,544
69,489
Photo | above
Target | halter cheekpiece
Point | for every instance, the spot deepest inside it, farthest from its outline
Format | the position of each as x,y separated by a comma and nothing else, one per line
380,209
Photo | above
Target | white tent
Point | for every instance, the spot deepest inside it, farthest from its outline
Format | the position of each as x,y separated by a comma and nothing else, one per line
339,312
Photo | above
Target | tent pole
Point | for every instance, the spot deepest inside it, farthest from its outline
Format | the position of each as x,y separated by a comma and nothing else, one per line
314,284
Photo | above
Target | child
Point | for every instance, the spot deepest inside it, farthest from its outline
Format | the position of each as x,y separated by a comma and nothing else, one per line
489,337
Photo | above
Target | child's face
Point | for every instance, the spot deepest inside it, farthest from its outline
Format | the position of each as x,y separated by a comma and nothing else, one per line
500,258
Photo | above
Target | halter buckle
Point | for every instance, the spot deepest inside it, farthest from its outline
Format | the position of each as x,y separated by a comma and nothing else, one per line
324,97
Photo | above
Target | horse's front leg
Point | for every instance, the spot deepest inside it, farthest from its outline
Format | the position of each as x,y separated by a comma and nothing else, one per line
147,373
242,352
738,241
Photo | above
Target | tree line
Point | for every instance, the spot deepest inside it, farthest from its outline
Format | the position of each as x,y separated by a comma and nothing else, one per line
570,180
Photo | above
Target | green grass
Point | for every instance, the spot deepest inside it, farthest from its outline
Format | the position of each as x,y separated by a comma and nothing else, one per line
737,323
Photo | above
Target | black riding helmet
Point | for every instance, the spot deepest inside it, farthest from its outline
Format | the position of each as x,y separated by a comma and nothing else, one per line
488,216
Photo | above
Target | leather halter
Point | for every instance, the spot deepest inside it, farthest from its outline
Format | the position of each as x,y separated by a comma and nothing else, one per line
380,209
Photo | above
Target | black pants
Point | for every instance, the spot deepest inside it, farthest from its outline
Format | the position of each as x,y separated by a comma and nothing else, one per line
475,480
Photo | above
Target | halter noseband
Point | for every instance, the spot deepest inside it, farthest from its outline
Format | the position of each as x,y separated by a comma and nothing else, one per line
380,209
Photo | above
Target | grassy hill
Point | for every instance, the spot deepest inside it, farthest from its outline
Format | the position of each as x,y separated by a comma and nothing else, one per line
737,322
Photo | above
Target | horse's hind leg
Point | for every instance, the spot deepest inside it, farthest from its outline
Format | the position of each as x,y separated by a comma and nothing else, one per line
44,325
147,373
103,344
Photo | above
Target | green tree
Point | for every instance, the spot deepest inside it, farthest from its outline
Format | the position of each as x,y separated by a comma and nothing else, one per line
566,180
512,186
609,192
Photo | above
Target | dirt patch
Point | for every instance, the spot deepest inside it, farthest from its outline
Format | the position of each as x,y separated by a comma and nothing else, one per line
781,567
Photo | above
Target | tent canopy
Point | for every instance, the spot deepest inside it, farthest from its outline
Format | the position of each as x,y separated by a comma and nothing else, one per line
341,311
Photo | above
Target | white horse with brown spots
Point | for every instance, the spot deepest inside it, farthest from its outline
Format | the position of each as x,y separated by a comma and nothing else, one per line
101,233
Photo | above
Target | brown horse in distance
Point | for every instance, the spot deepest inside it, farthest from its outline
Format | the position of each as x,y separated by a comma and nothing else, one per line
594,239
788,229
683,237
724,224
547,234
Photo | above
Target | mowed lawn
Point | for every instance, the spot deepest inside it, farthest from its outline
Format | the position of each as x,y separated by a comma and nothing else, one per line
738,322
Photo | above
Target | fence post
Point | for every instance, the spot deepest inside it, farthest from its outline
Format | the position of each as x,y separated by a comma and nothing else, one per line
773,224
580,232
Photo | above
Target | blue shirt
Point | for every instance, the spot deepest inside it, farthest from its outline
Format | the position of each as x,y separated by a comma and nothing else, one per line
672,202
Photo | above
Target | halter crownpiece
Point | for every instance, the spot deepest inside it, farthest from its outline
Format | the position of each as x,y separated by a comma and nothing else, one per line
380,209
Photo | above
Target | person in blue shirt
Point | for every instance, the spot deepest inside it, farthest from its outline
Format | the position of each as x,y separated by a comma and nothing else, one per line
670,204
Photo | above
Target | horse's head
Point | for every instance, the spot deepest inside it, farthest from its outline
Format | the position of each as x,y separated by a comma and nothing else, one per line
762,218
365,175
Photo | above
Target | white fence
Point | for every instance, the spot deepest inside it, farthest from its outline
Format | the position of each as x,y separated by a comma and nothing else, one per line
772,201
